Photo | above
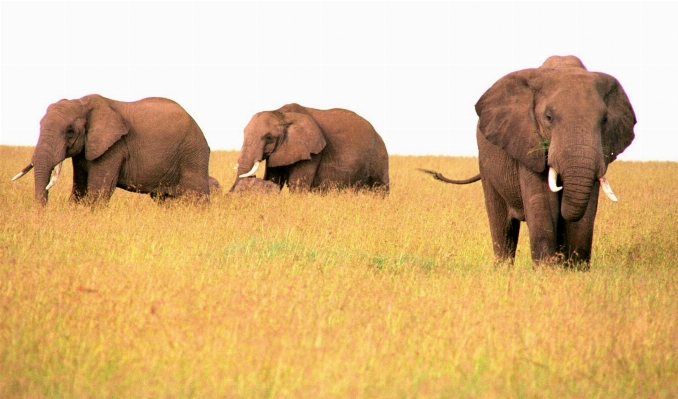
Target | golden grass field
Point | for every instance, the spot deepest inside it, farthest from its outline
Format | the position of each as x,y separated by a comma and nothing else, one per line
342,295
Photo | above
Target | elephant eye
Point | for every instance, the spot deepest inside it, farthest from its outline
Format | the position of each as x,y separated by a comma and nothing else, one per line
70,135
548,117
269,138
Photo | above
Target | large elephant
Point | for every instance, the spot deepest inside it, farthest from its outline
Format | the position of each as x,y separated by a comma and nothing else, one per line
541,127
149,146
309,149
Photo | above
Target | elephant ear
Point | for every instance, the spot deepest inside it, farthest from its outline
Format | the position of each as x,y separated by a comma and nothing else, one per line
302,137
618,132
506,119
105,127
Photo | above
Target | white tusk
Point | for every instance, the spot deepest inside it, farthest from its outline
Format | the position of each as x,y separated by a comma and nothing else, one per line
607,189
553,175
251,172
23,171
55,176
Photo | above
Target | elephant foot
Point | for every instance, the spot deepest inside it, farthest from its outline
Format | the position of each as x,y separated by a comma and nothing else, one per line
560,261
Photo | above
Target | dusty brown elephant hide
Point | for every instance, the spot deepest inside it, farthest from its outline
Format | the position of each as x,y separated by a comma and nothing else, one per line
310,149
545,139
149,146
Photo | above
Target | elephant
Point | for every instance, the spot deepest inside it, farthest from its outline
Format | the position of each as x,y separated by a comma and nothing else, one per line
312,149
545,138
256,185
148,146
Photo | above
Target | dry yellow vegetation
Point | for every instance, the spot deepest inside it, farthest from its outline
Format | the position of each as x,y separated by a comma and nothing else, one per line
331,296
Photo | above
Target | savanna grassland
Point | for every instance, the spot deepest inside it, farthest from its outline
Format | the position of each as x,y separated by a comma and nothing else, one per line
342,295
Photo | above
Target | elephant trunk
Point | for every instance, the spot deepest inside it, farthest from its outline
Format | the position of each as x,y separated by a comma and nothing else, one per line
579,172
45,159
248,163
42,176
251,172
577,187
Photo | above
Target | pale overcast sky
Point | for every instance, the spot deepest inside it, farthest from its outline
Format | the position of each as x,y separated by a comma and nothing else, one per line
413,69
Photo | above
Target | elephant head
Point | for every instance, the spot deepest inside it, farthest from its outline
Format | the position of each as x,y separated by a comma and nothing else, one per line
563,117
70,128
280,138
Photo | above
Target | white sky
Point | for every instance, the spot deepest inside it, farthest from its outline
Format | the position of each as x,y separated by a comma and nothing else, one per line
413,69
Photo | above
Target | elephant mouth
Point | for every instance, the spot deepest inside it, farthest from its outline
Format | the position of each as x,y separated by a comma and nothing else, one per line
604,184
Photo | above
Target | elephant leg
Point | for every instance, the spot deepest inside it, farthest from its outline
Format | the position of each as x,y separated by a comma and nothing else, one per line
195,182
80,177
541,214
379,180
277,175
194,176
101,184
103,176
379,169
576,238
302,174
159,197
503,227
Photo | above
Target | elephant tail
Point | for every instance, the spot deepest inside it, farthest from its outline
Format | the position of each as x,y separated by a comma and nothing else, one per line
439,176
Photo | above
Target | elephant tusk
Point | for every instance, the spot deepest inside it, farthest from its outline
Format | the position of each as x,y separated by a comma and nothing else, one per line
55,176
23,171
553,175
607,189
251,172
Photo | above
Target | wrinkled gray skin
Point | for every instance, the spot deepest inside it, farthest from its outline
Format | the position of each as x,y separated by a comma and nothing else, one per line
149,146
256,185
558,116
310,149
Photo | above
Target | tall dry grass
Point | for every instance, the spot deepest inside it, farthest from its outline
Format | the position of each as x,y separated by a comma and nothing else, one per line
336,295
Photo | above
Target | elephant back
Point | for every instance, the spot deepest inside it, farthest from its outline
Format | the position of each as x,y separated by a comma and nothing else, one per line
354,148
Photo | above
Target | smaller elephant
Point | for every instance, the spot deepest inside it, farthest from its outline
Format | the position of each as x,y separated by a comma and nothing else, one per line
312,149
256,185
149,146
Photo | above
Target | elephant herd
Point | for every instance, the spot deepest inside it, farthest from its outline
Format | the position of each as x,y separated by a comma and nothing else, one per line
545,138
